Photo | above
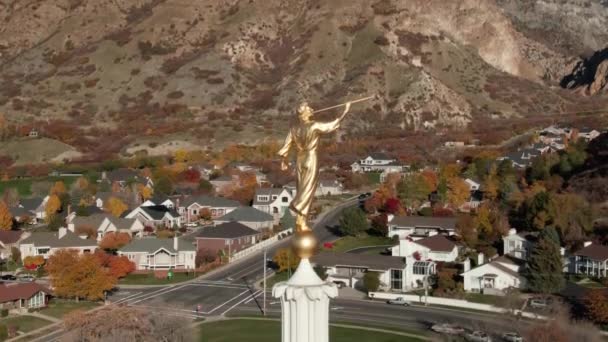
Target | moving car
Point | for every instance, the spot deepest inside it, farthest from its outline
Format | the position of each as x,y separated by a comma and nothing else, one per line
8,277
447,328
477,336
512,337
539,303
398,301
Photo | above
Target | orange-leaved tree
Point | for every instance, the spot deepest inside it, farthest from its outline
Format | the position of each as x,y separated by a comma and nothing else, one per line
120,266
114,241
6,219
144,192
33,262
75,275
596,305
52,207
58,188
116,207
459,191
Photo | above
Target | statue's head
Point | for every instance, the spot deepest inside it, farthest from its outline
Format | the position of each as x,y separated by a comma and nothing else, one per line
304,112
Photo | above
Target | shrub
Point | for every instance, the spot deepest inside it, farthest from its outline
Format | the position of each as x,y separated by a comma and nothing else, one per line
3,332
4,312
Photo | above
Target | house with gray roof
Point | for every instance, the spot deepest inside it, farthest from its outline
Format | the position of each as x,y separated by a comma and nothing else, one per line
418,227
378,162
8,240
107,223
495,277
249,216
273,201
152,253
227,238
125,176
31,209
329,187
48,243
191,207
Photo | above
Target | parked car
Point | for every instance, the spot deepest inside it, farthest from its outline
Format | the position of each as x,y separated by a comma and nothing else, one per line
339,284
8,277
539,303
191,224
477,336
26,277
512,337
398,301
447,328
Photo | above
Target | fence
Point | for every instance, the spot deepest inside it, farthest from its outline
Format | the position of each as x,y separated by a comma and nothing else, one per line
450,302
261,245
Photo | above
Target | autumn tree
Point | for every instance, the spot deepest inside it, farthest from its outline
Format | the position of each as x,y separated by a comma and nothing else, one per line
191,176
379,225
11,197
458,192
114,241
33,262
466,229
53,205
6,219
115,206
58,189
596,306
145,193
286,259
82,183
413,190
125,323
75,275
120,266
490,185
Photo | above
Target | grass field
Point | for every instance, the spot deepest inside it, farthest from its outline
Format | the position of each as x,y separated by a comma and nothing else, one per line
59,308
25,323
24,186
269,331
351,242
149,279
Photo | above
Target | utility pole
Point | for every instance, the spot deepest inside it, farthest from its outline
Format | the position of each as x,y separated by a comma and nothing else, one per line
264,265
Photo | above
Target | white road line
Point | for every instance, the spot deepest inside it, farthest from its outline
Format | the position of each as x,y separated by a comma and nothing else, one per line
253,297
126,298
157,294
220,286
143,294
231,299
237,304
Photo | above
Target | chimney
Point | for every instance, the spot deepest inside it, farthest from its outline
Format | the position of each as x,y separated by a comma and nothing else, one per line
390,217
587,243
175,244
62,232
480,259
466,265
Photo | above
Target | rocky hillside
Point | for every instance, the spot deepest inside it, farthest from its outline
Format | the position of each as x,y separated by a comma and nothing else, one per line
221,71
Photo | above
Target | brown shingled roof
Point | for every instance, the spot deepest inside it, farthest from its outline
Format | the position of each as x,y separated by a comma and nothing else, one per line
437,243
370,261
13,291
8,237
594,252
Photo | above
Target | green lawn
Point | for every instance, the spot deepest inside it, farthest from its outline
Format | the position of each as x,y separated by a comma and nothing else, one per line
351,242
483,299
373,177
268,331
149,279
25,323
277,277
24,186
59,308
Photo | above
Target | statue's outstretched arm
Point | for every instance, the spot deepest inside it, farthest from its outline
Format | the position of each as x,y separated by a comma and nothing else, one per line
328,127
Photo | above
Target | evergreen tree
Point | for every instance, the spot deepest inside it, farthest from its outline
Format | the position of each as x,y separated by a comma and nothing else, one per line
544,269
353,222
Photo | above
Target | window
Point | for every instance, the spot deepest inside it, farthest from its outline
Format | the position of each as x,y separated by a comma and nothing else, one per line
511,244
396,279
37,300
263,198
421,267
43,250
275,210
284,199
274,197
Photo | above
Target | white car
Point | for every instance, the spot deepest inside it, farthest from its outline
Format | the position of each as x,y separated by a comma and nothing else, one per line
191,224
512,337
449,329
398,301
477,336
26,277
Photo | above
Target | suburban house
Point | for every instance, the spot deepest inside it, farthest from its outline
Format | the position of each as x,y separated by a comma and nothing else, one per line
348,269
329,187
418,227
191,207
591,260
224,183
107,223
494,277
157,215
155,254
588,133
473,185
518,245
47,243
23,296
432,248
157,200
230,237
101,198
31,209
249,216
8,240
274,201
377,162
124,176
205,170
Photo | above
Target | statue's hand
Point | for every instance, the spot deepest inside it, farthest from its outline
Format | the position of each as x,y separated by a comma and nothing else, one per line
284,165
346,108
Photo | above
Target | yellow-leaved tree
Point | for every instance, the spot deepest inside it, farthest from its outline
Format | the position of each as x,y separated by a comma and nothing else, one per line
58,188
6,219
52,207
116,207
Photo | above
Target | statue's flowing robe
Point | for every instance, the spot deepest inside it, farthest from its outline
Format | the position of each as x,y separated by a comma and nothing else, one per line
304,137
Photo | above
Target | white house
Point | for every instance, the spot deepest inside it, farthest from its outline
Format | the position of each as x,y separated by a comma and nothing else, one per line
418,227
591,260
160,254
473,185
329,187
156,216
518,245
48,243
588,133
164,201
434,248
107,223
494,277
377,162
274,201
